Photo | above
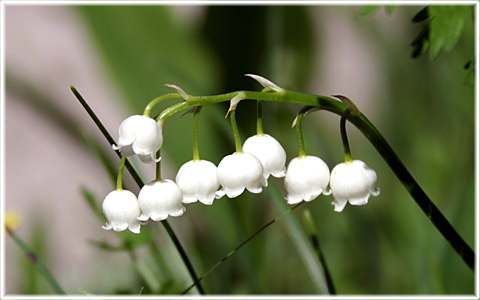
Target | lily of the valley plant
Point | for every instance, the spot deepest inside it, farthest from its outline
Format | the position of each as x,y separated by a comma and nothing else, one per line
247,168
251,165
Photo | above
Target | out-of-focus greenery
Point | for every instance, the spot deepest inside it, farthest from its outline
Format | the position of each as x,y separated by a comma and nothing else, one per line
444,27
385,247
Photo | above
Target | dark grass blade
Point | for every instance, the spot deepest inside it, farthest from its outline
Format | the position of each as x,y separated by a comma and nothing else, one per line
312,232
238,247
36,262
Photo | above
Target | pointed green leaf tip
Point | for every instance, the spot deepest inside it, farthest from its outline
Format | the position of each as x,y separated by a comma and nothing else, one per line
446,24
446,27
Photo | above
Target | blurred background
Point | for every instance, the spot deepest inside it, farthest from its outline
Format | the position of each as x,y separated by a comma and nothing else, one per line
119,58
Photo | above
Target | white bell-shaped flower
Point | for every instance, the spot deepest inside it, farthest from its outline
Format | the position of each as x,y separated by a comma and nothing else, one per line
197,179
140,135
307,177
160,199
270,153
238,171
121,209
352,182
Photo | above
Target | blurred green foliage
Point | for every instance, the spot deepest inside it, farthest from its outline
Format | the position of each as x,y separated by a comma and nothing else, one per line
386,247
444,27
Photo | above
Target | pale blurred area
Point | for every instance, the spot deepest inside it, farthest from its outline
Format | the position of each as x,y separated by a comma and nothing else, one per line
47,49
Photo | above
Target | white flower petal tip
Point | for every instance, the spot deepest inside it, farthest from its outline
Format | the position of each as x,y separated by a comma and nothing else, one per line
234,102
219,194
339,205
266,83
307,177
180,91
160,199
239,171
353,182
198,181
121,210
140,135
270,153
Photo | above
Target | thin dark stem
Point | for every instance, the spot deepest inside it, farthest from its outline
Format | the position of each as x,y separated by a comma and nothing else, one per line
140,183
184,256
414,189
372,134
105,133
197,282
323,262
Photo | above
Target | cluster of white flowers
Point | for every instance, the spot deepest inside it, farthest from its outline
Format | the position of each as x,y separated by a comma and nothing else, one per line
198,180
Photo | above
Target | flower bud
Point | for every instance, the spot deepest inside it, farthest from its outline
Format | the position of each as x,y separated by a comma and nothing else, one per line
121,209
140,135
198,181
307,177
238,171
352,182
159,199
270,153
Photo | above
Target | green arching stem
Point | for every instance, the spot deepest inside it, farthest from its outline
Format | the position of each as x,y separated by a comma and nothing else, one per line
414,189
196,151
260,117
343,133
375,138
236,134
301,144
120,174
154,102
326,103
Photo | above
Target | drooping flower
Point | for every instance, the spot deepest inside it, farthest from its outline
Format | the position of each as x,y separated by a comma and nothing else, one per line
198,181
270,153
352,182
160,199
238,171
121,209
307,177
140,135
